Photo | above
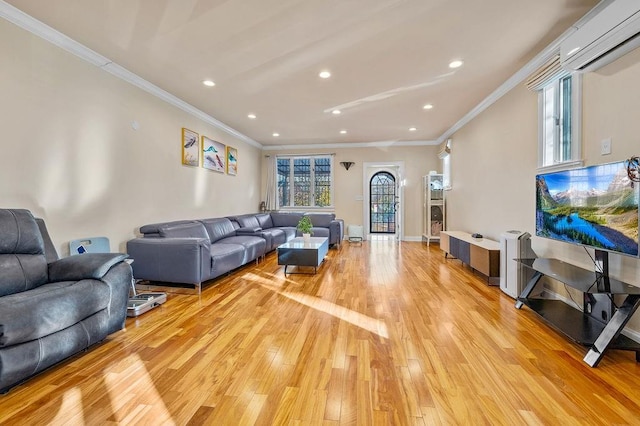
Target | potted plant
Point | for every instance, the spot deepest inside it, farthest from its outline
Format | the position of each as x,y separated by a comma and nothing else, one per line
305,227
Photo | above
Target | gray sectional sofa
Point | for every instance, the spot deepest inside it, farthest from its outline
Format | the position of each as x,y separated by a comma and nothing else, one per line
52,308
277,228
194,251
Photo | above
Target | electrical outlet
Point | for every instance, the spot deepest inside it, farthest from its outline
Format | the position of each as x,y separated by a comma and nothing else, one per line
605,146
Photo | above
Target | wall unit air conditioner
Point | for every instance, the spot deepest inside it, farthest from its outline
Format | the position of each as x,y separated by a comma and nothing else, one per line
611,33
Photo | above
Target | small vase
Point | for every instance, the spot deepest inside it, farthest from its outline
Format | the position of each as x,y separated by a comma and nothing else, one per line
306,237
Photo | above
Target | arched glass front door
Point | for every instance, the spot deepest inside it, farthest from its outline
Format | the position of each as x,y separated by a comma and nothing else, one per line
382,203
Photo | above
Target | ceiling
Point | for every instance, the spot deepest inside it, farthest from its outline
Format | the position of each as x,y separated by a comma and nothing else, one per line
387,58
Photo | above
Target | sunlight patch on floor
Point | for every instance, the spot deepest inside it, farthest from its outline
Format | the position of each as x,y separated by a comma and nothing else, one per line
274,280
355,318
139,382
70,412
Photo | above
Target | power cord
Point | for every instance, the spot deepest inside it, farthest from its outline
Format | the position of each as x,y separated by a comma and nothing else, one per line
566,289
595,264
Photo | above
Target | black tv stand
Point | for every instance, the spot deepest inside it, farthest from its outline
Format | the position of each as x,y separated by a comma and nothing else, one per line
600,323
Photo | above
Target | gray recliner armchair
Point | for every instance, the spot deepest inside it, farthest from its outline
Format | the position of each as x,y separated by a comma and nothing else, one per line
52,308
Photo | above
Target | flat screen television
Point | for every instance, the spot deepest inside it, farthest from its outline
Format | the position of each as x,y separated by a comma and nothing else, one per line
594,206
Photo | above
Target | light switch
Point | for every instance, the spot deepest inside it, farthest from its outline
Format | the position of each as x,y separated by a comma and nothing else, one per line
605,146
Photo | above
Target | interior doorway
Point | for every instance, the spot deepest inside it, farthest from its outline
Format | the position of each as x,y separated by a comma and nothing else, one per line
383,202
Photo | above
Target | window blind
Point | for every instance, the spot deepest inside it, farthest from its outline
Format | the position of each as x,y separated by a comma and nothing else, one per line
548,72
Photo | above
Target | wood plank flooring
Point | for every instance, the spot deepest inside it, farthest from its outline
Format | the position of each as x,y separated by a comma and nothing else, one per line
383,334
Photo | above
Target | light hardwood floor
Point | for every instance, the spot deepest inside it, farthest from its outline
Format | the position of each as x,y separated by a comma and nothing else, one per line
385,333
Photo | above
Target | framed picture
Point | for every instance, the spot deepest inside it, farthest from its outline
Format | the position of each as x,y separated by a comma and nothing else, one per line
213,155
232,161
190,147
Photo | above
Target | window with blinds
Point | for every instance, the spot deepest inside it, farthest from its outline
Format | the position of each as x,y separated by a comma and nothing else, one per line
559,111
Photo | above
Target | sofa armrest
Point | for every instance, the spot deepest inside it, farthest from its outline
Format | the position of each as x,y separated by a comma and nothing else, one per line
84,266
119,280
336,230
176,260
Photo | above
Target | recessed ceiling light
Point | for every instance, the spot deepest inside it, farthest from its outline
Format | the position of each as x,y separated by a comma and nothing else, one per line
427,106
275,135
412,129
324,74
252,116
343,132
455,64
208,83
336,112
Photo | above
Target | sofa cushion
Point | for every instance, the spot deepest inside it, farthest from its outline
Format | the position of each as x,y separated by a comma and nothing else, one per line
290,232
23,265
248,221
264,220
225,257
20,233
21,272
285,219
319,232
321,220
219,228
184,230
253,246
36,313
277,236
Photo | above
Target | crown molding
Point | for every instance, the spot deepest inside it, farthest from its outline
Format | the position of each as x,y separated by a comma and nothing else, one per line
524,72
517,78
40,29
28,23
129,77
379,144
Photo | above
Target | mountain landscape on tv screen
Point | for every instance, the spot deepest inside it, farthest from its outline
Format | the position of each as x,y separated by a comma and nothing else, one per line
602,218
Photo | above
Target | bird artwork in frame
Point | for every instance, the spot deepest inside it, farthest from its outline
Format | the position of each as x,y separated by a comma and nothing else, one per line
190,147
232,161
213,155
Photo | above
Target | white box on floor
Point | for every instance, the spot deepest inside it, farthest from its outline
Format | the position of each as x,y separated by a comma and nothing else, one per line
355,232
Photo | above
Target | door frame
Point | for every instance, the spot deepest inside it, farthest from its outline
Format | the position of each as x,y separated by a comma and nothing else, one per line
395,168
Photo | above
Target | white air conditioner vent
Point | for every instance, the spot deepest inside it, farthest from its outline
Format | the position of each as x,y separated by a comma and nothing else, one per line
613,32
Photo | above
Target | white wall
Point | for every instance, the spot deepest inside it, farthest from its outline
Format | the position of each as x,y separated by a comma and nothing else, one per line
494,160
418,161
493,163
70,155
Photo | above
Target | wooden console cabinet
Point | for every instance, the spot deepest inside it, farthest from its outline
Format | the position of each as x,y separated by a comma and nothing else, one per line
481,254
